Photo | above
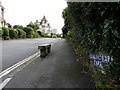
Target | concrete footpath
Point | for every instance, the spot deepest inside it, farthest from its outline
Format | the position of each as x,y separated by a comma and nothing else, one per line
58,70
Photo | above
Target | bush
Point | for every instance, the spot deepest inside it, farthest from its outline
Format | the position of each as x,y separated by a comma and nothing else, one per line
1,32
39,32
29,32
13,33
96,28
33,26
21,33
6,33
45,35
35,34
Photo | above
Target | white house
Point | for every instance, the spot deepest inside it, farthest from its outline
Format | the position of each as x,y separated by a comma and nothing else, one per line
1,15
44,26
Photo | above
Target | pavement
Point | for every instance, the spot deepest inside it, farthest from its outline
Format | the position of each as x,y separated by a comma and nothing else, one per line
58,70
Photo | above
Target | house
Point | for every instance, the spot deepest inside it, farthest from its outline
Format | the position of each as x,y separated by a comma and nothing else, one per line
1,15
44,26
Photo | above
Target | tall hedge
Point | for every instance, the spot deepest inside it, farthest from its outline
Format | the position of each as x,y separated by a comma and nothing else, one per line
35,34
21,33
96,28
13,33
34,26
1,32
5,34
29,32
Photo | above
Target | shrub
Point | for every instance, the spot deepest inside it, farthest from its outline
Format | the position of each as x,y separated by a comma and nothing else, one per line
15,26
6,33
21,33
1,32
29,32
39,32
13,33
45,35
18,27
96,28
35,34
33,26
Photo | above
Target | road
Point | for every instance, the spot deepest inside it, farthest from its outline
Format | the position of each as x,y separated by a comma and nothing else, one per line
14,51
60,69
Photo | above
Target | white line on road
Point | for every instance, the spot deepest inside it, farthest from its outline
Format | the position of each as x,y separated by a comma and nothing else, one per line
8,70
4,83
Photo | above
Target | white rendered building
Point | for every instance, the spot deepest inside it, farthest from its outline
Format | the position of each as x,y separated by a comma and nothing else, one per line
44,26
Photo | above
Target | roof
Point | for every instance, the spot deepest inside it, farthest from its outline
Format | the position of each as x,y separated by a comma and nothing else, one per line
44,18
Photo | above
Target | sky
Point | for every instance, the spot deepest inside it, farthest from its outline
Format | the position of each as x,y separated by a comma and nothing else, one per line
22,12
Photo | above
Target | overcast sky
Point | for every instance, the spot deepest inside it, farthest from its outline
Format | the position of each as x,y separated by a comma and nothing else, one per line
21,12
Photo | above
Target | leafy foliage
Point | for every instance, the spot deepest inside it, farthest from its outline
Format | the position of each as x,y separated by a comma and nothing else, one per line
29,32
45,35
5,33
15,26
66,21
34,26
21,33
35,34
18,31
1,32
39,32
95,27
13,33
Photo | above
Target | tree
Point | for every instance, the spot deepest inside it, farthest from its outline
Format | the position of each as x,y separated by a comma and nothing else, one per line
29,32
9,25
5,34
21,33
13,33
18,27
66,26
95,27
34,26
39,32
15,26
4,22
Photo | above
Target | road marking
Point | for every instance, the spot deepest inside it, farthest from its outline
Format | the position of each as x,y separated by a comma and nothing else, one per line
4,83
8,70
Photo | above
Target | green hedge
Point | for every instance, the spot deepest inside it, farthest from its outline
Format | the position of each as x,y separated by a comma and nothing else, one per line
1,32
45,35
13,33
5,34
21,33
35,34
29,32
39,32
95,27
